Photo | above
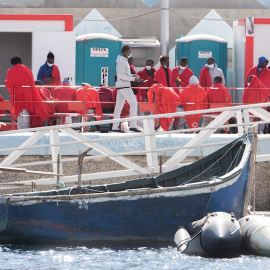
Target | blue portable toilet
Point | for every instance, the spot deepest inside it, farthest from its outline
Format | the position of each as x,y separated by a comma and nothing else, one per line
197,48
96,56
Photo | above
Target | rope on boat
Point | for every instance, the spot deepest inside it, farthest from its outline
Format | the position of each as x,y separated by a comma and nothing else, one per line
214,162
236,156
213,189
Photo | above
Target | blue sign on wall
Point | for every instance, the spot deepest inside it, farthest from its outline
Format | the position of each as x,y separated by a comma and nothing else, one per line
150,3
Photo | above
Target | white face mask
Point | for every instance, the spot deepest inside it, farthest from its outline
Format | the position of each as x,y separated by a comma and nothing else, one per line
148,67
130,55
248,84
183,68
211,66
165,66
50,65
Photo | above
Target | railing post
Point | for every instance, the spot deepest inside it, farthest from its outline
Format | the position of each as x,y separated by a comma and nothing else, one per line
56,153
239,123
246,119
151,144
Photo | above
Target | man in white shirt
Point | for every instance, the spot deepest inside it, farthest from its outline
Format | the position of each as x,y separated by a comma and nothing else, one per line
124,91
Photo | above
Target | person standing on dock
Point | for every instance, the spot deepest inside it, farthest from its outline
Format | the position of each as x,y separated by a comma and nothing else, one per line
261,72
24,95
209,72
180,75
124,91
49,73
163,73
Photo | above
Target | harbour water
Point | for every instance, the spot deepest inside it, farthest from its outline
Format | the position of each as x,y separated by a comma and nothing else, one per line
21,257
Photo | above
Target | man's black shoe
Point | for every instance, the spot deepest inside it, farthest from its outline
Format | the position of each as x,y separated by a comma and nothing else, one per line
134,130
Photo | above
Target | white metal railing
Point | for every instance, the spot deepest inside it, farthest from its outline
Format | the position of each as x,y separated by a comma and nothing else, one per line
241,113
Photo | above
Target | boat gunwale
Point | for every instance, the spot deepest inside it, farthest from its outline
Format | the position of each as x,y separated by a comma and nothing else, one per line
219,180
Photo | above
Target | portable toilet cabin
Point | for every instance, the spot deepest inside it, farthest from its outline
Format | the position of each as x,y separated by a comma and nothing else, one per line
96,56
197,48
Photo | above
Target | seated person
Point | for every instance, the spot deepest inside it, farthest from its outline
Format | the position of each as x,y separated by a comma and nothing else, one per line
166,101
64,93
49,73
255,92
193,97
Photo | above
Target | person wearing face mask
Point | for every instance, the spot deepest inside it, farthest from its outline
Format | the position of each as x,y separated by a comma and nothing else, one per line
163,73
49,73
261,72
209,72
124,91
147,76
181,75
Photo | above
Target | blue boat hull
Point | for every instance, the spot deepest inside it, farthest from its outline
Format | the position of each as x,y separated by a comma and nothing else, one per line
143,215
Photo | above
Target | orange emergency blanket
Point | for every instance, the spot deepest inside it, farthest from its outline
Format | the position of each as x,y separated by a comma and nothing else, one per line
25,97
166,101
197,97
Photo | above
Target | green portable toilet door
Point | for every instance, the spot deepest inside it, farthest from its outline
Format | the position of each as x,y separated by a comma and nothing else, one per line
199,51
100,62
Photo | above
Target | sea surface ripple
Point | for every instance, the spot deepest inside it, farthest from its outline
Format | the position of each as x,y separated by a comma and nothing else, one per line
115,258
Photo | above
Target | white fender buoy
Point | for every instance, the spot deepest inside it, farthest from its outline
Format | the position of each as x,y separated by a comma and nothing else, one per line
256,233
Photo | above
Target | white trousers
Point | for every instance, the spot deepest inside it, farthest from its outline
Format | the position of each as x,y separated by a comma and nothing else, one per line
23,121
123,95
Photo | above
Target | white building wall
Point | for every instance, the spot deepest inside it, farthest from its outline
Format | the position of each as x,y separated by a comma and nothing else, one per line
14,25
261,42
63,46
239,61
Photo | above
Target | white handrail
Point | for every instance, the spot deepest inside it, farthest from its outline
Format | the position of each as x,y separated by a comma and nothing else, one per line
151,151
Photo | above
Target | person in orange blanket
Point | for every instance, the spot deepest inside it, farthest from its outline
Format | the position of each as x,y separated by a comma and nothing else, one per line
209,72
90,96
219,96
163,73
28,101
49,73
167,101
255,92
64,93
147,74
219,93
261,72
45,95
197,97
180,75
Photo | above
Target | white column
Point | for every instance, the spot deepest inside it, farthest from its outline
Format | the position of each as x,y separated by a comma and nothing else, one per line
164,27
